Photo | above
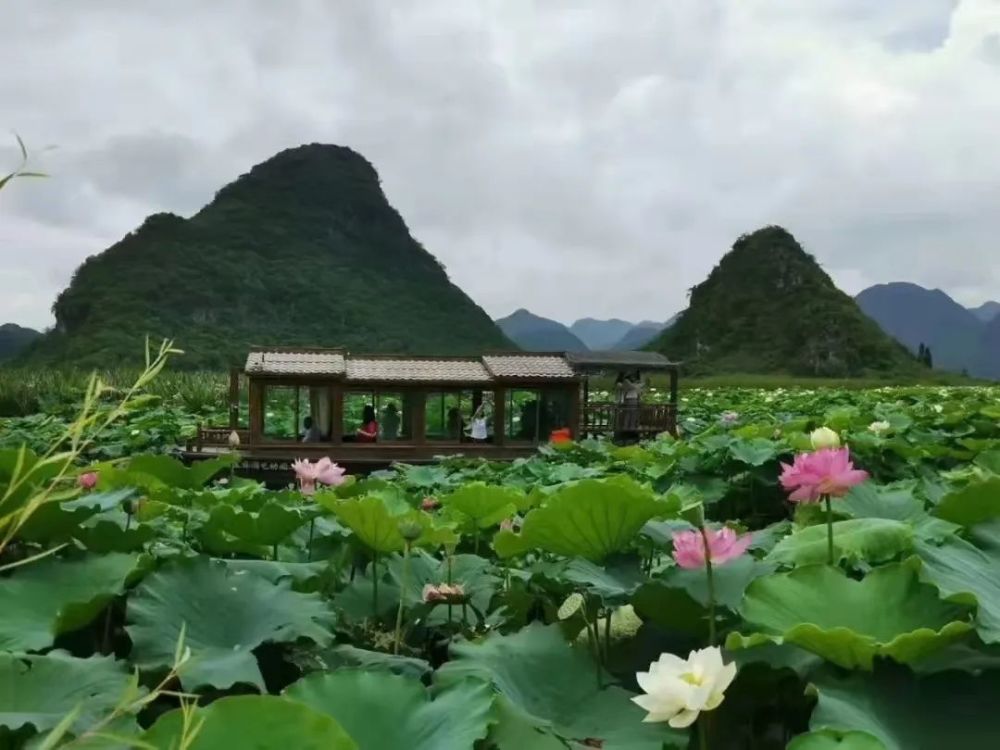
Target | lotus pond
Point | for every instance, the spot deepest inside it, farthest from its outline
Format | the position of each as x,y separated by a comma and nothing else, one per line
144,603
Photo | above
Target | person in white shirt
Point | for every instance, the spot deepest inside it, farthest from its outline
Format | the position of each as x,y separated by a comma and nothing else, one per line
310,432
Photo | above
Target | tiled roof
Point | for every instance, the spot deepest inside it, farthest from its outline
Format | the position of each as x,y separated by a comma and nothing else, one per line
528,366
618,360
417,370
315,362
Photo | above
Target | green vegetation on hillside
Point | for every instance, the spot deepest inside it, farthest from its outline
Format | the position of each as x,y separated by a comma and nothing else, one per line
15,338
768,307
303,250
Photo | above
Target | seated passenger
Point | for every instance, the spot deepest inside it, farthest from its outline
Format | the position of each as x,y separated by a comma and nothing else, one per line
390,422
368,431
310,432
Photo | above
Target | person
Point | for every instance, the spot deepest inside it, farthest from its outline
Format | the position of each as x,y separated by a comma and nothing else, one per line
454,423
368,431
631,395
478,430
390,422
310,431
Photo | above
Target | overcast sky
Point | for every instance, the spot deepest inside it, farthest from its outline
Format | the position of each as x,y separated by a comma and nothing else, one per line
575,158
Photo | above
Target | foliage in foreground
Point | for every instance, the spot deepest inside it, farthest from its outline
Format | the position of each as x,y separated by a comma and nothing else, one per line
503,606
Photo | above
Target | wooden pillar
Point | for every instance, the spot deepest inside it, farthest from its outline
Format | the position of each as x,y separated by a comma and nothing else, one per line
499,416
574,411
256,396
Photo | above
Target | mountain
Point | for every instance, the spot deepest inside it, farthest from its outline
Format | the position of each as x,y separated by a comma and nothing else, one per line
639,335
767,307
537,334
988,364
914,315
303,250
14,338
987,311
600,334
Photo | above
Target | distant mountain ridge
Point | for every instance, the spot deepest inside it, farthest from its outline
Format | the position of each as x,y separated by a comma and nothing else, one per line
987,311
767,307
639,335
534,333
960,340
303,250
14,339
601,334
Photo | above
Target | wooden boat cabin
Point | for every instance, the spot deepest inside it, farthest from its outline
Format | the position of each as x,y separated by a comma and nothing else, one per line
367,411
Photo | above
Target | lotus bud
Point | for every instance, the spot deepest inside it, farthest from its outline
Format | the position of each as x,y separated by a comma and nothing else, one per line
234,440
429,503
824,437
879,428
410,530
88,480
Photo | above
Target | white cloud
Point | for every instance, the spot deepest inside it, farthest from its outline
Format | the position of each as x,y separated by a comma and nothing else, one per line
576,160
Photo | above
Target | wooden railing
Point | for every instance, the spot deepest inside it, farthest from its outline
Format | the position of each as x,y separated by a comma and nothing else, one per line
644,420
219,437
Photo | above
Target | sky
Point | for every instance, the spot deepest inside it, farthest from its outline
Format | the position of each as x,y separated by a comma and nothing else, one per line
578,159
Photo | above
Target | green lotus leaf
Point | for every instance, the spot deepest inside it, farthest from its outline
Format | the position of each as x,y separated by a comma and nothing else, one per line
483,505
848,622
976,502
302,574
384,710
989,460
376,525
858,539
41,691
904,712
509,544
53,596
474,573
113,531
870,500
32,472
512,731
268,526
225,615
966,574
830,740
553,687
756,452
54,521
252,721
730,580
150,471
613,583
346,655
593,518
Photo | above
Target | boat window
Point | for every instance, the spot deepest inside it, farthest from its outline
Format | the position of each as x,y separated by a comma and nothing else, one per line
297,413
532,415
391,411
451,416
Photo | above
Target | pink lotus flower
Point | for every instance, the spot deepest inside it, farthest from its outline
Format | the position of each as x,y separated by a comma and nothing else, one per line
826,472
323,471
723,545
443,593
429,504
88,480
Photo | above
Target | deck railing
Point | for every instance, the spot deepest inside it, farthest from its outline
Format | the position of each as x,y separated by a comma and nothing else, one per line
643,420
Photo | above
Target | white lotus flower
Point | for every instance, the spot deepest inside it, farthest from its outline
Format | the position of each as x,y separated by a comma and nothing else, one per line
678,690
824,437
879,428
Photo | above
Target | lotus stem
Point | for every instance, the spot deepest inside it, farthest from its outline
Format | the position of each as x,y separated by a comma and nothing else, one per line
607,638
402,596
703,732
829,529
375,585
475,543
711,588
274,552
448,559
309,549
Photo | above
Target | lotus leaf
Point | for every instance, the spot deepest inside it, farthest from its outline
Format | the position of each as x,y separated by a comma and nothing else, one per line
964,573
483,505
592,519
53,596
225,615
858,539
566,701
252,721
384,710
976,502
888,613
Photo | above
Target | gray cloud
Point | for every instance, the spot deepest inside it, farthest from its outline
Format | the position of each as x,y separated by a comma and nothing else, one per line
591,159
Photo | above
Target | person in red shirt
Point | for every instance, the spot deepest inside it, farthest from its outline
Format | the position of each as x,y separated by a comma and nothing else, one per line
368,431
